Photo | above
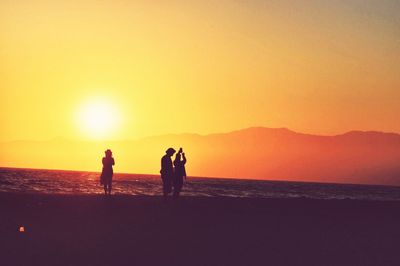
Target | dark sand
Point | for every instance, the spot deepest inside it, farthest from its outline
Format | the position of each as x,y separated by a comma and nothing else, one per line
127,230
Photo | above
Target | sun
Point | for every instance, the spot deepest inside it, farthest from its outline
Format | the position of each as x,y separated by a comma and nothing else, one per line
98,118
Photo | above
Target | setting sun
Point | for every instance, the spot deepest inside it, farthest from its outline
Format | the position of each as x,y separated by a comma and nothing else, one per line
98,118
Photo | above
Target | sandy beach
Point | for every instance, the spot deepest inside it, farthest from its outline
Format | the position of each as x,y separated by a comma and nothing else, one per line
131,230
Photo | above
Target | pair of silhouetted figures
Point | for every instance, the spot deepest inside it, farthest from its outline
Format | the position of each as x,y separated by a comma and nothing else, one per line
172,174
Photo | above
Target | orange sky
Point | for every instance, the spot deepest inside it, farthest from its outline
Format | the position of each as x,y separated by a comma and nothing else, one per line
161,67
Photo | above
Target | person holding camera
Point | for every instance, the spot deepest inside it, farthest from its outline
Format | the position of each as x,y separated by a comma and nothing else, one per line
107,172
179,172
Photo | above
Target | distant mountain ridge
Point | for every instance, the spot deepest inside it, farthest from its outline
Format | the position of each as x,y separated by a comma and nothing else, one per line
257,152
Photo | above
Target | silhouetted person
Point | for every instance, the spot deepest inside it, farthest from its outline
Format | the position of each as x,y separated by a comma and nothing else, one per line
167,171
107,172
179,172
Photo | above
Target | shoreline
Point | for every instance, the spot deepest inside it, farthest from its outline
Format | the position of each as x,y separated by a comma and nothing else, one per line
159,197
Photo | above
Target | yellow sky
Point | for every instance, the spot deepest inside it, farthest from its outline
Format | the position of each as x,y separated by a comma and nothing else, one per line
322,67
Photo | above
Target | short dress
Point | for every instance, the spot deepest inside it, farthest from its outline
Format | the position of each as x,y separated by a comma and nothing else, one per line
107,172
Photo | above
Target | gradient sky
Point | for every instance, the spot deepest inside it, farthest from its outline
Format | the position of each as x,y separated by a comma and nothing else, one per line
321,67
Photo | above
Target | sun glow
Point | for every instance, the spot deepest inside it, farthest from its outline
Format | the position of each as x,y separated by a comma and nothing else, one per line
98,119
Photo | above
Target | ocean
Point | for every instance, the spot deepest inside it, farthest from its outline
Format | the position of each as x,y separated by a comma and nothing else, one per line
77,182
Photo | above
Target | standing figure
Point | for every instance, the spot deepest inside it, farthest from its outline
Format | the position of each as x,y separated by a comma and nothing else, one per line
179,172
107,172
167,171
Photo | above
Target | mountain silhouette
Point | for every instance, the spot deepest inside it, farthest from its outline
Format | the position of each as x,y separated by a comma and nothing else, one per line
261,153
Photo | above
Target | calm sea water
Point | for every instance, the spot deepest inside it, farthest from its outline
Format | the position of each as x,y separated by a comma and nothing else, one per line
73,182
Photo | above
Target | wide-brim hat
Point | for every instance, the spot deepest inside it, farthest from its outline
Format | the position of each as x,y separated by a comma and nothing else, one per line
170,150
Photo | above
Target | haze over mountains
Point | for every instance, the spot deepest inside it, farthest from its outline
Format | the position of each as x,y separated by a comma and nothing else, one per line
258,152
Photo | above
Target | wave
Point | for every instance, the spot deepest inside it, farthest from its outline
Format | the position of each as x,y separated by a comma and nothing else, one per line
75,182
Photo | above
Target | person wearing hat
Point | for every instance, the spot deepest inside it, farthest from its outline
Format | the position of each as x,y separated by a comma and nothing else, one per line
107,172
167,171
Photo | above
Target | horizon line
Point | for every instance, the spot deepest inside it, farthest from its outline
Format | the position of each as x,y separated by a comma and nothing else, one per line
203,135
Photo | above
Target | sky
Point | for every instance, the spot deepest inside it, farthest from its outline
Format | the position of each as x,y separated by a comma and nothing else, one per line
129,69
